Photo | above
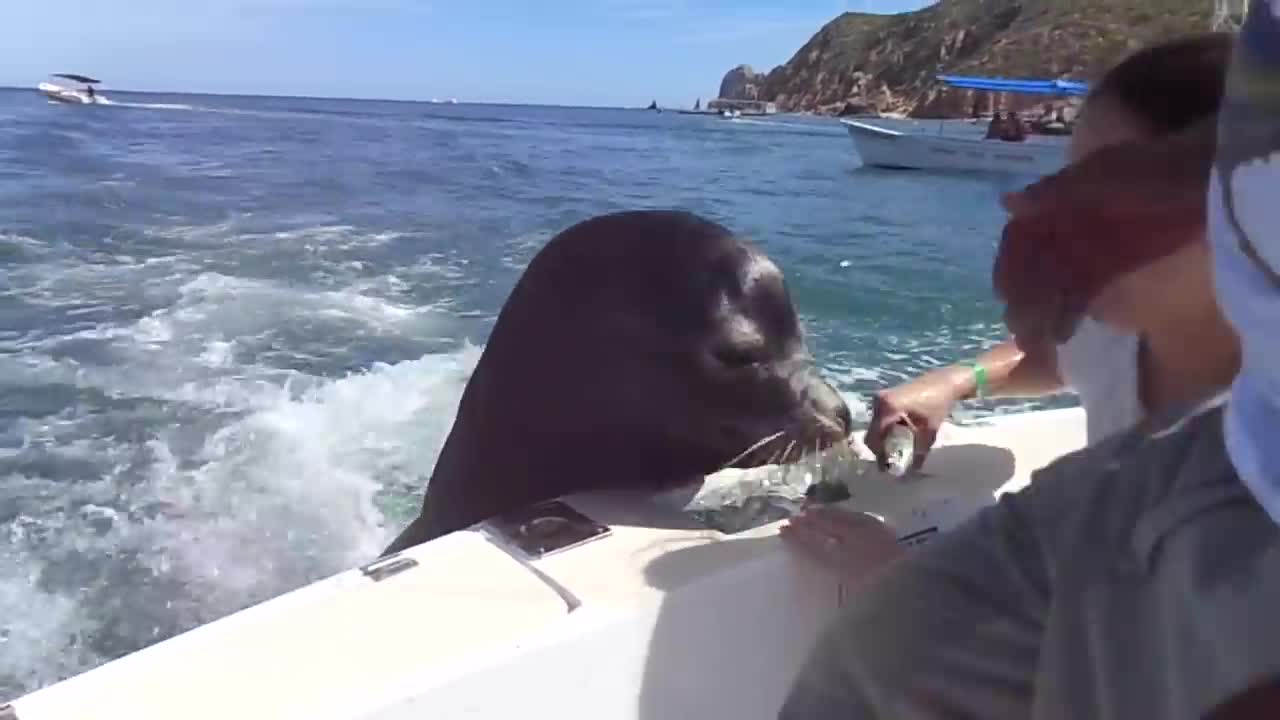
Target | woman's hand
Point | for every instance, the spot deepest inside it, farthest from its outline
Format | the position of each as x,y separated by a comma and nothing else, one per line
852,545
924,404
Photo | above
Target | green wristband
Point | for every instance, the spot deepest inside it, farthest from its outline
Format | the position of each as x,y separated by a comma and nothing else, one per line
979,380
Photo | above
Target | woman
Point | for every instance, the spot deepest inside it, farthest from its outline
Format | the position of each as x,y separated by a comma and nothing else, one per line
1132,358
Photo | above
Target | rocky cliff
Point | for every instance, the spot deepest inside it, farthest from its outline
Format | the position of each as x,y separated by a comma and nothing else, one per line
888,63
741,83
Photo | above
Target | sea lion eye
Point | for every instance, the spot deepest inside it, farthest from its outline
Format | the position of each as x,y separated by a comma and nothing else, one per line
739,355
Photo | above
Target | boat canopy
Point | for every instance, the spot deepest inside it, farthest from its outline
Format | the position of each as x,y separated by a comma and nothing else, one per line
77,78
1024,87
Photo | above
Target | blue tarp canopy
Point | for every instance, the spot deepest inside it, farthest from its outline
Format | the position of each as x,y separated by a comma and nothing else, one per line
1024,87
77,78
86,80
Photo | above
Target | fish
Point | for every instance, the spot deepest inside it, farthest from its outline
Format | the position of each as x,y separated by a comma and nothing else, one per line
899,450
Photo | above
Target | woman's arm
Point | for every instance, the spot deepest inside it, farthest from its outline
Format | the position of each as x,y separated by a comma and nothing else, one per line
925,402
1010,371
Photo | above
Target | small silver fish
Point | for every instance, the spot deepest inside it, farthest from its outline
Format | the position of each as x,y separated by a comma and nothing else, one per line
899,450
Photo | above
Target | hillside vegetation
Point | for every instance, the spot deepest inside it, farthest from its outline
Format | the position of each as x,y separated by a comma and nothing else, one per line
888,63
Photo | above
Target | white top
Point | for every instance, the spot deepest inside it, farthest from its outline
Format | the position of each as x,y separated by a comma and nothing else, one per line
1246,250
1251,302
1101,365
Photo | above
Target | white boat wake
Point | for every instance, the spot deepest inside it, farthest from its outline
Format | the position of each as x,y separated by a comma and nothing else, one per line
153,106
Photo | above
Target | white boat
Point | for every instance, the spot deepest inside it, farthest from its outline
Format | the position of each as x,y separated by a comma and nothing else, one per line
84,95
1036,155
881,147
658,618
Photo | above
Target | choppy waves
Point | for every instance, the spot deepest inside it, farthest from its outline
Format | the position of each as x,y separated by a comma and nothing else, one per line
161,471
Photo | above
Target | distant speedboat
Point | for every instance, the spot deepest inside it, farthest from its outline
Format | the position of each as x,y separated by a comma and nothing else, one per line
84,95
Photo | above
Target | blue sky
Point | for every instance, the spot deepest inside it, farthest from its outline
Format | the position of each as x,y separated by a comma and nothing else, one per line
589,52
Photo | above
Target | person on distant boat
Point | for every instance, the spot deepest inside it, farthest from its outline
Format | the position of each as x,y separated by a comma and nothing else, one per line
995,128
89,91
1012,130
1129,362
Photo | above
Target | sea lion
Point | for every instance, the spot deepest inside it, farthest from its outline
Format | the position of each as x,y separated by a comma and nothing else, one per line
639,350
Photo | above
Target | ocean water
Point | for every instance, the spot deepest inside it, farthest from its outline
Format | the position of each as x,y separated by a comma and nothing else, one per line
233,331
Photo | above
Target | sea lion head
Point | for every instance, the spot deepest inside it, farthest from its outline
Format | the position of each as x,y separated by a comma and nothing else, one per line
638,350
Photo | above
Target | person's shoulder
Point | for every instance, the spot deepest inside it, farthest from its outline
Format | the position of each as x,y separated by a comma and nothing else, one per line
1181,446
1105,490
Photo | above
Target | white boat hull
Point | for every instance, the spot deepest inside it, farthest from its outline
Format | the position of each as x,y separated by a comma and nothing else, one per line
57,93
655,620
882,147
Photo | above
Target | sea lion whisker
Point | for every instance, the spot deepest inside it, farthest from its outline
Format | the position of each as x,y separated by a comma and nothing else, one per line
754,446
784,456
826,422
778,456
772,458
843,449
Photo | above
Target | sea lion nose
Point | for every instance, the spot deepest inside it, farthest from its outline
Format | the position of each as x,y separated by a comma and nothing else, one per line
842,414
845,416
828,403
